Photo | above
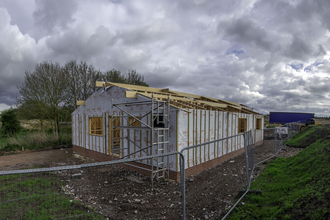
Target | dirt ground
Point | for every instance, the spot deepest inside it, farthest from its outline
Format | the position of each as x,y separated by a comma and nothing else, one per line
120,194
323,121
43,158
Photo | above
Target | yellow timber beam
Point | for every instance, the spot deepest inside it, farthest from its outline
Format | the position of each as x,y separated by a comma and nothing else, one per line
80,103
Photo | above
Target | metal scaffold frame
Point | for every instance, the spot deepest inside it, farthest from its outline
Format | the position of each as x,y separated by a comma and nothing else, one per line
158,125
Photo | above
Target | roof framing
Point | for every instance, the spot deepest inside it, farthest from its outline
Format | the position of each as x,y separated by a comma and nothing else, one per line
181,100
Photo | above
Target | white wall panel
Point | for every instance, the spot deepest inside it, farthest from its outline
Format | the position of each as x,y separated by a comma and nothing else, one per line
173,160
211,134
225,129
197,127
191,137
207,135
220,133
202,133
198,136
183,134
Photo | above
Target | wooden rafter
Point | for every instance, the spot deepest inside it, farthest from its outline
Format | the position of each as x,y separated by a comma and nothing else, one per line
181,100
80,103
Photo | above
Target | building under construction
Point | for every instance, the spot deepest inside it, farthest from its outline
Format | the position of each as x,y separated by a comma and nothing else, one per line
128,121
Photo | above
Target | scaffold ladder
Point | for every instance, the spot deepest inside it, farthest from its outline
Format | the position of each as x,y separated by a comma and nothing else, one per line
160,127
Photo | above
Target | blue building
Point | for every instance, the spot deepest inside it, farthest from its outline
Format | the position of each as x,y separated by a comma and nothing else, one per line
287,117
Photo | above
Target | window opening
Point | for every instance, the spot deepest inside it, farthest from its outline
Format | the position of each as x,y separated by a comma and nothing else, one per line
116,131
96,125
136,122
242,125
259,123
160,122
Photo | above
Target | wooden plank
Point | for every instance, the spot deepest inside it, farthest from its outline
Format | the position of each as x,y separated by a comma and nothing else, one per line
127,86
130,94
212,104
166,97
167,90
163,93
183,94
186,104
99,84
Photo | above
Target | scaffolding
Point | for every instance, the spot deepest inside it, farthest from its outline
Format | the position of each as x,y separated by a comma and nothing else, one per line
158,127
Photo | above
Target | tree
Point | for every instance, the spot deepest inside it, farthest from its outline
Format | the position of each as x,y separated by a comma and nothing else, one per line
133,78
81,82
32,110
50,88
9,121
46,86
82,78
114,76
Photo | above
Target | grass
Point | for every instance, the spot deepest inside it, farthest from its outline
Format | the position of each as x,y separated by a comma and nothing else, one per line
38,196
33,139
295,187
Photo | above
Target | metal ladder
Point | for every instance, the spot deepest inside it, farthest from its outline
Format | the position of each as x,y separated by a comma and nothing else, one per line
160,117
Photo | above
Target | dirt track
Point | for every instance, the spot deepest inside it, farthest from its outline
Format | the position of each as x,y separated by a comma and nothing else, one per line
45,158
208,194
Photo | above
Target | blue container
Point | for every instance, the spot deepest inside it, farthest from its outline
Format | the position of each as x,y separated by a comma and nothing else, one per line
287,117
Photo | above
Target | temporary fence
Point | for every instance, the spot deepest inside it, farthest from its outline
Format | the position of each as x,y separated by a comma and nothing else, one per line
65,131
97,191
280,135
87,191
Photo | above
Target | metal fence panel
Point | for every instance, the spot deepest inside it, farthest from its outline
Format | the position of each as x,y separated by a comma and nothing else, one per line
114,190
87,191
249,154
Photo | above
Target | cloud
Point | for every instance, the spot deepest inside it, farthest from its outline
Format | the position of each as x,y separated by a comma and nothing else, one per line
16,55
21,15
245,31
271,55
81,42
4,107
54,15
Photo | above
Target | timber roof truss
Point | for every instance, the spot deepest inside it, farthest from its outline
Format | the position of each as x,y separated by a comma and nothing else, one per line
181,100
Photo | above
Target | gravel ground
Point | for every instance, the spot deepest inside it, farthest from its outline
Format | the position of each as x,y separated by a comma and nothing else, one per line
120,194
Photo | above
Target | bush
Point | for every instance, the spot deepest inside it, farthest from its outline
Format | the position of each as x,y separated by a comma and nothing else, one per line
33,140
9,121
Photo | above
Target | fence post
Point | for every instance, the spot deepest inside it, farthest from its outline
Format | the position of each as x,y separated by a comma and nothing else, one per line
61,130
255,138
66,128
183,183
246,157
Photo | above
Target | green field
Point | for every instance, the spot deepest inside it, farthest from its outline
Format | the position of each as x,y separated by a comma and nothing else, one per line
295,187
28,139
38,196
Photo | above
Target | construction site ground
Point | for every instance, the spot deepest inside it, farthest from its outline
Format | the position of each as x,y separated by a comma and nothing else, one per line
130,195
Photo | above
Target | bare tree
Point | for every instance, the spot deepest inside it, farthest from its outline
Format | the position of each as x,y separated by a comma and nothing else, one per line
81,83
114,76
50,88
133,78
45,87
34,112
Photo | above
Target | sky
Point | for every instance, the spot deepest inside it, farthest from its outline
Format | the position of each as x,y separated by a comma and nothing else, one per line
269,55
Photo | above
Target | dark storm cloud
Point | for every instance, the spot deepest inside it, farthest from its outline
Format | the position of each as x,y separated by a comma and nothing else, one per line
54,15
299,49
246,32
16,54
147,34
81,42
271,55
20,14
319,86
